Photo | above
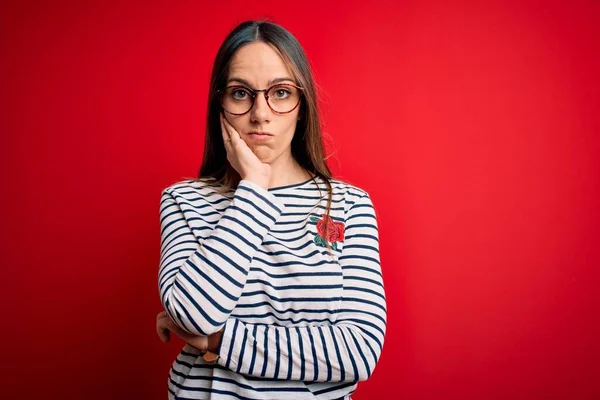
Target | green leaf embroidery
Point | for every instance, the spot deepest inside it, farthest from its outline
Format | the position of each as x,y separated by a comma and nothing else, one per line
319,241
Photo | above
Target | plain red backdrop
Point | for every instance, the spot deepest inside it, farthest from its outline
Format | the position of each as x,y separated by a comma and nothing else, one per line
473,125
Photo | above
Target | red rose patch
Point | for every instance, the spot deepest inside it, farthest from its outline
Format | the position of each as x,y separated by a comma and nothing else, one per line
333,232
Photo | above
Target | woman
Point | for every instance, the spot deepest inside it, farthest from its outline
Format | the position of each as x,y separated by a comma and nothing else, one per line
269,267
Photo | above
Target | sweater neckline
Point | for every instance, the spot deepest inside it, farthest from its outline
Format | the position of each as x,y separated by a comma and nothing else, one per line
293,185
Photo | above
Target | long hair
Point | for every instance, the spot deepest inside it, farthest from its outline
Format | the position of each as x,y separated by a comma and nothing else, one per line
307,142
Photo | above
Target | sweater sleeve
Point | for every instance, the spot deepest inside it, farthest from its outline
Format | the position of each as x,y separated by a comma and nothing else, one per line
201,279
346,350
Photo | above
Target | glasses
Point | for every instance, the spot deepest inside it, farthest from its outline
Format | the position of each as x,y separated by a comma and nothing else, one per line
282,98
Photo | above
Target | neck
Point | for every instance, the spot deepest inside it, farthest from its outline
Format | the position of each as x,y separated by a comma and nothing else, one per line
285,170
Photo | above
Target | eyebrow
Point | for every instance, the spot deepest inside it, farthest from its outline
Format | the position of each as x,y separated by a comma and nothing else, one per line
270,83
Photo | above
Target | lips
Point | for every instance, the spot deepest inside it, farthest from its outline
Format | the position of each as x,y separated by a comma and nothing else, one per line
259,133
259,136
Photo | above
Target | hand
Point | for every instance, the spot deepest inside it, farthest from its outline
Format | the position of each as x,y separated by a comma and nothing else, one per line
241,157
165,325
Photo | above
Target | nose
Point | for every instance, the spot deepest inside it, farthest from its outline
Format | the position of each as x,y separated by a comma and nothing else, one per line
260,111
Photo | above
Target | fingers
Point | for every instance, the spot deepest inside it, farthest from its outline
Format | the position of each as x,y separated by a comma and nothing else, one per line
178,331
165,325
162,329
225,132
234,135
200,342
163,333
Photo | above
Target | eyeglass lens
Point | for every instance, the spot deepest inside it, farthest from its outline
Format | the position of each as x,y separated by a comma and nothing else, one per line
239,100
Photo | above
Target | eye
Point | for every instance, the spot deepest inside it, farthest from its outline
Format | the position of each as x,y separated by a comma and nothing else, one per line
240,94
281,93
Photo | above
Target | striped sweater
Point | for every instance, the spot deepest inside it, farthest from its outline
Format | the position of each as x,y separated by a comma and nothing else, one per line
299,321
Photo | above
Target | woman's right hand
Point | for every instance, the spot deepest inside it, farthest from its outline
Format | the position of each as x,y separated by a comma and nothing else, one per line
242,158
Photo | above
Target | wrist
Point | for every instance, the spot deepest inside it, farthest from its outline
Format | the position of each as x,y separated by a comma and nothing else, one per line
262,182
214,341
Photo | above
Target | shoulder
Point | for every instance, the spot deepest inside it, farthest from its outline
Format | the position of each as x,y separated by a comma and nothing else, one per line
359,211
347,187
193,189
357,201
351,193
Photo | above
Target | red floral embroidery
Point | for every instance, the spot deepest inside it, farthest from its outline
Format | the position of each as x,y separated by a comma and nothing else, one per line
334,232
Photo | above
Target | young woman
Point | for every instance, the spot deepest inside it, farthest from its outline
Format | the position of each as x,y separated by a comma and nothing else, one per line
269,267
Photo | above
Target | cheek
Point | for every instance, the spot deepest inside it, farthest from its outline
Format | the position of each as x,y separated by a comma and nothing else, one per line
284,127
290,127
239,124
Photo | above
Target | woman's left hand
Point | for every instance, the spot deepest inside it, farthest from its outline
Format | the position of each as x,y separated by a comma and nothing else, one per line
165,325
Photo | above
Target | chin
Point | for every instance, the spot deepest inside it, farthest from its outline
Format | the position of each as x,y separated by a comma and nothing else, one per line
264,154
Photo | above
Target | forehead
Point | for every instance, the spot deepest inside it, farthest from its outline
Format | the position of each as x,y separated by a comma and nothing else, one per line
258,63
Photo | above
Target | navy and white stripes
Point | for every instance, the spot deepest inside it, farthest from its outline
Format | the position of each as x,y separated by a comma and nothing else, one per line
201,280
297,322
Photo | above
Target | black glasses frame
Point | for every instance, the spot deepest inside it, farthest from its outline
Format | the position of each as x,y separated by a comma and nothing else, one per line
254,92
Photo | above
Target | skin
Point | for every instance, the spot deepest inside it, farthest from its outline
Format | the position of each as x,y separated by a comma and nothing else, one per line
266,163
259,65
165,325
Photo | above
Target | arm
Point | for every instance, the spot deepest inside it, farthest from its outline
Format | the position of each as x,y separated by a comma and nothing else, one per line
344,351
201,280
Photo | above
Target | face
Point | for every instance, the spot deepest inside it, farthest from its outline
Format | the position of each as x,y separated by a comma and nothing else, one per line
258,66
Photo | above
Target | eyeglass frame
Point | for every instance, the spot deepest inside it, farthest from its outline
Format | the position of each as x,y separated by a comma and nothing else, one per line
254,93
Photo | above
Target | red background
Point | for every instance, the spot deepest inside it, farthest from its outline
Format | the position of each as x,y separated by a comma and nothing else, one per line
473,125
